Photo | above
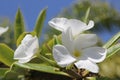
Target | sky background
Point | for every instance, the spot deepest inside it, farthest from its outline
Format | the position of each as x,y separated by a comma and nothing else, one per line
32,8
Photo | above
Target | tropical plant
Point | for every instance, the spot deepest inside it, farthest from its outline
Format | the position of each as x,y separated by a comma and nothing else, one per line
29,61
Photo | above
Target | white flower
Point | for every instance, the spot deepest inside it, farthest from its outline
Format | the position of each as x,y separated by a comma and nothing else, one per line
3,30
26,50
77,26
79,51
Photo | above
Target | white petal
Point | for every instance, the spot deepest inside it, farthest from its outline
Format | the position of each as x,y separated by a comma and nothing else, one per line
67,39
3,30
62,56
85,40
88,65
90,25
95,54
77,26
24,60
27,48
20,52
32,43
59,23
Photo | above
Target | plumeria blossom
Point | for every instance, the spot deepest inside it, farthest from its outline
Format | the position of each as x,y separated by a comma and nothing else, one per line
27,49
79,50
3,30
77,26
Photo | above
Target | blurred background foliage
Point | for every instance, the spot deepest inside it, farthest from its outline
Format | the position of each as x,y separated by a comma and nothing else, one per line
8,37
107,20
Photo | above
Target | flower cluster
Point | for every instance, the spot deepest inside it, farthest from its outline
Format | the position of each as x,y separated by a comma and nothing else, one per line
77,47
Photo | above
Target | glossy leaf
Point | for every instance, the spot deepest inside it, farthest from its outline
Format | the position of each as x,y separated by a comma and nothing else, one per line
113,40
6,55
40,22
114,49
18,24
42,68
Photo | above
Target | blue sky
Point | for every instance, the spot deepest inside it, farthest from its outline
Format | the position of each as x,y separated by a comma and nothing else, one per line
31,9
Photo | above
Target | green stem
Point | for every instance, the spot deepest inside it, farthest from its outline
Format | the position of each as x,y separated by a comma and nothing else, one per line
51,62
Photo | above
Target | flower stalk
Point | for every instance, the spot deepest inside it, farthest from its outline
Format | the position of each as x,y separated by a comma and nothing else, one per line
51,62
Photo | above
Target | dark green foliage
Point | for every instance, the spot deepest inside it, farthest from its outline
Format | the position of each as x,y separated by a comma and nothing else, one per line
40,22
18,24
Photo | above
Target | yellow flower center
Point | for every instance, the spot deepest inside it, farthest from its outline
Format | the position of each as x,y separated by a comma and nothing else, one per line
76,53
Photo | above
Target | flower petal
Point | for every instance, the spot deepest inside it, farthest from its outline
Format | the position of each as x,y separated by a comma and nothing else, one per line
95,54
77,26
67,39
90,25
59,23
20,52
3,30
62,56
88,65
24,60
85,40
27,48
31,43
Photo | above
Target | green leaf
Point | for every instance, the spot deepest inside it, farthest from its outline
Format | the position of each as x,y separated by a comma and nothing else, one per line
15,73
6,54
42,68
56,41
20,38
2,71
47,47
18,24
113,40
87,15
113,50
40,22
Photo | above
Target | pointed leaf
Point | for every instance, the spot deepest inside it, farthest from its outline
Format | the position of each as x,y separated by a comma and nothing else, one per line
40,22
113,50
87,15
18,24
113,40
42,68
6,55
